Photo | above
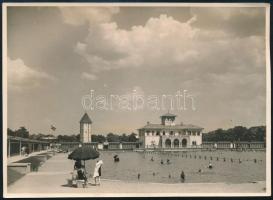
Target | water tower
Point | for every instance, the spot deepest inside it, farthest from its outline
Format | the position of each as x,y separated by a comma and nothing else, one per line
85,129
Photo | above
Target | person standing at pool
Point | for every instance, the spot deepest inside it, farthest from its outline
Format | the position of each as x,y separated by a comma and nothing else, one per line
97,172
138,176
182,176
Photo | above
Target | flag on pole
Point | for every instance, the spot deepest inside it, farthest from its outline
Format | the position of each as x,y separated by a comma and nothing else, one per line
53,128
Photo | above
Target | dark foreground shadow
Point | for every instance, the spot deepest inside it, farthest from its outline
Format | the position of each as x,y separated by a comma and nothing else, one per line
66,185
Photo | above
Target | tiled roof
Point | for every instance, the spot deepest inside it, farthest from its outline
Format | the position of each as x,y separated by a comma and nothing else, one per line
170,127
85,119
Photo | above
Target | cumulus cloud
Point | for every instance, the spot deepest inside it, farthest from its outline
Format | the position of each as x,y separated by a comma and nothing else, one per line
80,15
166,42
107,47
214,64
21,76
235,20
88,76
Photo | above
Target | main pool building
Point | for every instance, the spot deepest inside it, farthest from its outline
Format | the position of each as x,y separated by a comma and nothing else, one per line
170,135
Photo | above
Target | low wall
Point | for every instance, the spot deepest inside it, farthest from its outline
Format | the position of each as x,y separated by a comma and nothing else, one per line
22,168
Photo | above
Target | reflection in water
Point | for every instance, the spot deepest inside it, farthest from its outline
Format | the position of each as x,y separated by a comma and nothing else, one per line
228,166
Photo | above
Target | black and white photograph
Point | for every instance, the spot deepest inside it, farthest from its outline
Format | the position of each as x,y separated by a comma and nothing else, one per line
136,99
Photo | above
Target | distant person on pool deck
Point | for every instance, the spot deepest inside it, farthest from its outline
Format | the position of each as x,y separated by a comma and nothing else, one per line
138,176
23,150
97,172
152,159
27,151
168,161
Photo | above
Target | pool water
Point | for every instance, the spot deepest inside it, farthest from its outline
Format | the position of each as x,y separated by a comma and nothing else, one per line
251,168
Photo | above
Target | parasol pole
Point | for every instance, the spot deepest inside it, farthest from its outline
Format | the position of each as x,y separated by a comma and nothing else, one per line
84,166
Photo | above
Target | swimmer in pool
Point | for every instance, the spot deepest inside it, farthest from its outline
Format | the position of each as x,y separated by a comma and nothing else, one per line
162,162
182,176
210,165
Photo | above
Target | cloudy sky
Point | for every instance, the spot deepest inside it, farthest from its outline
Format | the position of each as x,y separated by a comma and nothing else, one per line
56,55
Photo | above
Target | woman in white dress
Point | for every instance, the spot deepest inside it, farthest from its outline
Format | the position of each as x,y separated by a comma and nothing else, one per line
97,172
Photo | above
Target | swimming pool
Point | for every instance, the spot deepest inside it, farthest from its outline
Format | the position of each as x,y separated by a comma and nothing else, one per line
226,166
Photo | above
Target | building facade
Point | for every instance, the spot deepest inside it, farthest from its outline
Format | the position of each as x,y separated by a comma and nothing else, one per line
85,129
168,134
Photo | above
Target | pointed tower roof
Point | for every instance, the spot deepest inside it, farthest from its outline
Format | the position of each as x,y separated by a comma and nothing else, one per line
85,119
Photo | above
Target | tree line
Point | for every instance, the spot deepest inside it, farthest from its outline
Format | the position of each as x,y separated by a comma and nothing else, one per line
238,133
110,137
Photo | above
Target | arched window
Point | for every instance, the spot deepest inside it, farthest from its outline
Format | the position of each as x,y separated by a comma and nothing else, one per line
157,133
176,143
168,143
184,143
163,132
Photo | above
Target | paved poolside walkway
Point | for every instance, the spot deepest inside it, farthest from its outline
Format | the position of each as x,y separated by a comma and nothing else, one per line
51,180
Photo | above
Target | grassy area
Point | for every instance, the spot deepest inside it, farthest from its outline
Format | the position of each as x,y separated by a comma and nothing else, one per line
35,162
13,176
45,154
